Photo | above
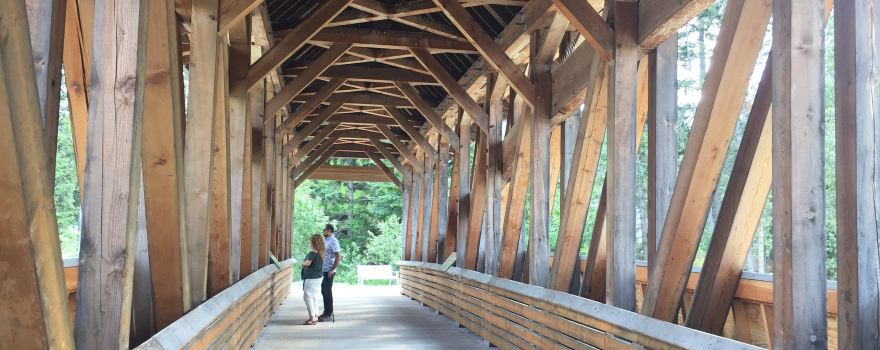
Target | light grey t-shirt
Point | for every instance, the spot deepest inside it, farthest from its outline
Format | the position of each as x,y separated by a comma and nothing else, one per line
331,248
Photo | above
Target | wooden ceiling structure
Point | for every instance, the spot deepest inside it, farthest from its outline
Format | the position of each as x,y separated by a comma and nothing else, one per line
194,122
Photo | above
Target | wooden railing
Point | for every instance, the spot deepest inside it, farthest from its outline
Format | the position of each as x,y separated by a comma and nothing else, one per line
513,315
231,319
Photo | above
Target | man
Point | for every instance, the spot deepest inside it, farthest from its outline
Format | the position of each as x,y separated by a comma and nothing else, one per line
331,262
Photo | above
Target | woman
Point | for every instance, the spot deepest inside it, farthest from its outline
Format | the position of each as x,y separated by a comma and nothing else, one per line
311,276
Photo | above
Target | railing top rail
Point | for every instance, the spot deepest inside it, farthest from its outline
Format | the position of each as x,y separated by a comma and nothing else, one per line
625,323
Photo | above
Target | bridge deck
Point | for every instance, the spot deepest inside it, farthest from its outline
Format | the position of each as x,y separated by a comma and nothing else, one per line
368,317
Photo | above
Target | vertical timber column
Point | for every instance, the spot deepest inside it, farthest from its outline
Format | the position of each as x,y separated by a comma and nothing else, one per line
464,189
443,195
415,225
266,187
407,222
450,239
34,301
539,235
662,138
248,155
162,156
219,245
799,304
404,216
434,227
857,67
239,135
257,101
494,171
77,74
427,208
621,223
198,141
46,24
112,179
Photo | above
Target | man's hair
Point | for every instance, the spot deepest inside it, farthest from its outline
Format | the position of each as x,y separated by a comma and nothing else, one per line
329,227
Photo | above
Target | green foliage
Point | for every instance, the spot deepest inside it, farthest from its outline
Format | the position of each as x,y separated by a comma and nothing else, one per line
67,196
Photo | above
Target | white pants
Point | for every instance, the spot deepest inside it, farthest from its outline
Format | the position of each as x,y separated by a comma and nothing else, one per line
311,294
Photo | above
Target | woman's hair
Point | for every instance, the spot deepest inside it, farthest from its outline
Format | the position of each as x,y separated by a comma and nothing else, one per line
317,242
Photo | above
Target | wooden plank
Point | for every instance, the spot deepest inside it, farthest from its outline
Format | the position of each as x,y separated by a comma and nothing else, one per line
308,107
427,210
738,218
219,228
162,157
391,39
428,112
463,156
433,233
306,77
589,24
477,204
442,194
233,12
799,303
77,73
662,139
248,191
103,312
266,187
575,204
412,214
198,140
418,231
487,47
621,225
739,41
46,25
660,20
857,116
516,197
294,40
369,73
256,102
477,113
36,314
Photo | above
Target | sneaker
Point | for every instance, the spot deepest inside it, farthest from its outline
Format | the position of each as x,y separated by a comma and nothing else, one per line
324,318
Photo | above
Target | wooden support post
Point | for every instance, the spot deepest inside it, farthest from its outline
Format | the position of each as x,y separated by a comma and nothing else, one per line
199,142
34,301
514,209
441,192
662,138
858,142
405,194
620,262
420,224
494,170
799,303
77,75
433,226
266,188
539,233
219,233
575,203
426,211
162,156
738,218
414,215
256,99
477,204
464,189
46,24
450,241
739,41
104,288
239,132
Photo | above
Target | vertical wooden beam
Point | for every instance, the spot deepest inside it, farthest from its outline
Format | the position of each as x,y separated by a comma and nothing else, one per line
256,99
434,226
512,225
414,214
442,195
198,142
495,90
104,288
477,204
662,138
450,240
857,58
220,235
405,194
739,41
620,261
162,156
464,189
239,59
575,203
34,301
266,188
539,233
77,74
799,303
420,226
251,155
426,210
46,24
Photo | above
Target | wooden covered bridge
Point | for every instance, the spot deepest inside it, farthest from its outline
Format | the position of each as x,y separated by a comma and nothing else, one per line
194,122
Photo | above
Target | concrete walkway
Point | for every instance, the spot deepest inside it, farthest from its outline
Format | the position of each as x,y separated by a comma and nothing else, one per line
368,317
